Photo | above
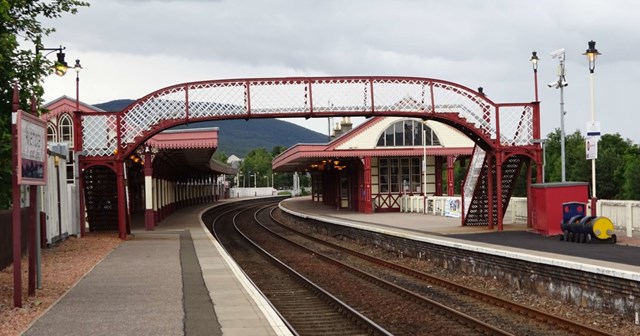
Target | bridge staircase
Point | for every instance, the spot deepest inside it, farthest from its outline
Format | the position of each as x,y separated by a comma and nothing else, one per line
101,199
476,187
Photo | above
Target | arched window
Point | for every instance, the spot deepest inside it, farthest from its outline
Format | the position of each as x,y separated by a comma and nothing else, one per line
66,129
51,133
407,133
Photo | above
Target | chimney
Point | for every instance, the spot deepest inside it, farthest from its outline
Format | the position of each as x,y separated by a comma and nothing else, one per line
346,124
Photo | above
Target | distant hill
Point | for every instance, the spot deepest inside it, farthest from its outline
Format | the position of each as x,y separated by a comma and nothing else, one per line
239,136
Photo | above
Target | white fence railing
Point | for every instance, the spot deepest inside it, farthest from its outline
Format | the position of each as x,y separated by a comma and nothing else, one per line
625,215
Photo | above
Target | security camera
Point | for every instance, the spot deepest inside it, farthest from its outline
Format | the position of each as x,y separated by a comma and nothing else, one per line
558,53
564,83
553,85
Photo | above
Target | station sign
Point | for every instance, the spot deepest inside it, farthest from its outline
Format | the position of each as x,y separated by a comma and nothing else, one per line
32,149
593,129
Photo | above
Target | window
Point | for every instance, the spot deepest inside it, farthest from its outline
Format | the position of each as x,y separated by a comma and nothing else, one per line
400,175
407,133
51,133
70,168
384,175
66,129
415,175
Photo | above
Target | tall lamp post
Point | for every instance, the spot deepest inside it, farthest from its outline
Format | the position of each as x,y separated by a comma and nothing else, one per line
561,83
60,67
592,53
534,62
76,149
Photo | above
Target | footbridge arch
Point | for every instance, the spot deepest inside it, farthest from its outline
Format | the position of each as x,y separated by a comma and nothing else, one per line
501,130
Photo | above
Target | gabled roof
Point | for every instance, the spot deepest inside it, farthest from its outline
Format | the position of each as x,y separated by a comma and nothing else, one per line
362,141
66,104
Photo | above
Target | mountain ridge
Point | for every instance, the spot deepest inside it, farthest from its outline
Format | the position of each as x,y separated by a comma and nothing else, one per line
239,136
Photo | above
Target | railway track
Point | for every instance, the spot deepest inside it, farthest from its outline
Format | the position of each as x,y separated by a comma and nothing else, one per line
401,300
307,308
512,317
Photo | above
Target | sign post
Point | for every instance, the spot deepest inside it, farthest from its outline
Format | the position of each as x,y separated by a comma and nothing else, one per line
29,140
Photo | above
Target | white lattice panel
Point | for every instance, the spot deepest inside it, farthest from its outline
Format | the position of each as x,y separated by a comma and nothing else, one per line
475,167
516,125
472,108
223,99
170,104
341,95
276,97
402,95
99,134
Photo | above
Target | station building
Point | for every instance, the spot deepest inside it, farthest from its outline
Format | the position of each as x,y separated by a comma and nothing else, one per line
371,167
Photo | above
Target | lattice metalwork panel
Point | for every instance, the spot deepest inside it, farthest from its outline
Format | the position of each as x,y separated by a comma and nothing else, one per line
279,96
336,95
473,108
516,125
282,97
99,132
411,95
473,175
167,105
217,99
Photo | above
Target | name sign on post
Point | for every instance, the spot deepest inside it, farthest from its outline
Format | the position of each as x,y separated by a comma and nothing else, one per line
591,145
32,149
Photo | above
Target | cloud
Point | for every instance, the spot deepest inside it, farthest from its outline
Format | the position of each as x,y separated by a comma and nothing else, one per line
131,48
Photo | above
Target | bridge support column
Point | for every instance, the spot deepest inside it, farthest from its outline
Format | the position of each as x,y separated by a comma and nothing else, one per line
490,214
148,192
122,213
154,190
499,162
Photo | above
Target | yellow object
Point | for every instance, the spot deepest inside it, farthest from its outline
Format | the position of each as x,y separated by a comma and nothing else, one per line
603,227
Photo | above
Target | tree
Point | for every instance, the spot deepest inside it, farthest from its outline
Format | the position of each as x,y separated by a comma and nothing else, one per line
631,186
257,161
20,19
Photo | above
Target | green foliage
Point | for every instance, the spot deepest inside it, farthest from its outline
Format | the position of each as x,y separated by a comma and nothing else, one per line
616,167
20,19
221,157
258,163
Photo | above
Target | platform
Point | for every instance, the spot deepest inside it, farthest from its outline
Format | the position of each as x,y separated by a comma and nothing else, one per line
515,241
177,280
156,283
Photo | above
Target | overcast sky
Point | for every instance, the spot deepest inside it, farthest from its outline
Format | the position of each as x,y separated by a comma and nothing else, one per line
130,48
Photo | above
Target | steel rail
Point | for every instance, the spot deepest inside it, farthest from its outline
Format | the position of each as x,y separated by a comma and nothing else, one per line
483,296
450,313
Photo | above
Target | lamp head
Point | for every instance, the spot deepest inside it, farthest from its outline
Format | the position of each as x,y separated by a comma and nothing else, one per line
77,67
60,66
592,53
534,60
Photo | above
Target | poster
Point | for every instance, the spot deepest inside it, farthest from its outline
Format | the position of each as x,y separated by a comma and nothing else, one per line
452,207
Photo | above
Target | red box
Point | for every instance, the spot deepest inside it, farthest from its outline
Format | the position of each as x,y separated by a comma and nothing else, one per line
547,200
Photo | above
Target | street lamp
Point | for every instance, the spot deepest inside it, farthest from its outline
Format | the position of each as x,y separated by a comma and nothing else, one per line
77,67
561,83
534,62
592,53
60,66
